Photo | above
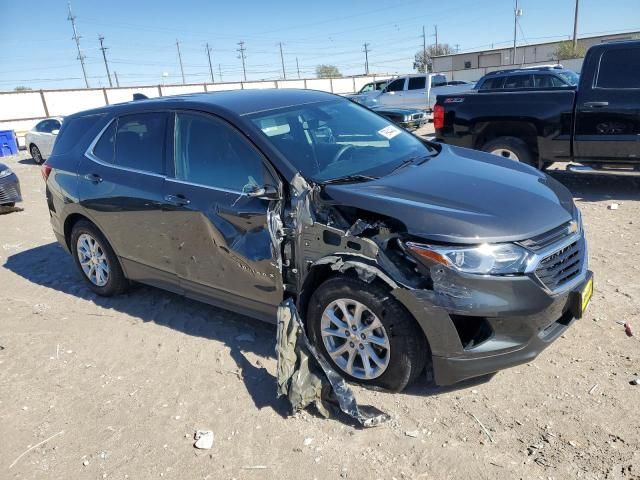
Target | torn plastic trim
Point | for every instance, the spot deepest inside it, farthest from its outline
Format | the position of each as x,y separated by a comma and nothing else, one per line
306,378
365,271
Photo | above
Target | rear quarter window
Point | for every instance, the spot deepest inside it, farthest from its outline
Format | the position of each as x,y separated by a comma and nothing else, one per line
73,133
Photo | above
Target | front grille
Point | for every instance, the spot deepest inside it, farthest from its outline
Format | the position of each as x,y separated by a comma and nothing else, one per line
417,116
8,193
560,267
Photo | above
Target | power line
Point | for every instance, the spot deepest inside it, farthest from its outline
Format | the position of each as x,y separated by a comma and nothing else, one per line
104,56
180,60
75,37
210,67
242,56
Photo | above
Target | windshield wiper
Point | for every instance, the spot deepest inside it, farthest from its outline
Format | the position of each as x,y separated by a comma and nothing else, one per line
418,160
349,179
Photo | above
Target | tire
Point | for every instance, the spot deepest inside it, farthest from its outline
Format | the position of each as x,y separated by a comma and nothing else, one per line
36,155
107,285
407,350
512,148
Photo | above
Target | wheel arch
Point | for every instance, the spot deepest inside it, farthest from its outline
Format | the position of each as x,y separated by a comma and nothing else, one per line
523,130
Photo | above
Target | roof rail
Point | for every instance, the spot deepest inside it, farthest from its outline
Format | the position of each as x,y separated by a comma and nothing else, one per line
526,69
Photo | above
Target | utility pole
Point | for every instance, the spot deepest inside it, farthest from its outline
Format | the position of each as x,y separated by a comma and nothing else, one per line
115,74
220,72
180,60
298,67
424,49
575,27
366,59
284,74
75,37
516,14
242,56
435,27
104,56
210,67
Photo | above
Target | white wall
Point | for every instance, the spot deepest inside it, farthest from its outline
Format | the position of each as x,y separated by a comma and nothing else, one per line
20,111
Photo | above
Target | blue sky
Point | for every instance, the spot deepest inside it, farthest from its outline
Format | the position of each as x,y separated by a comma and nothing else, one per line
37,49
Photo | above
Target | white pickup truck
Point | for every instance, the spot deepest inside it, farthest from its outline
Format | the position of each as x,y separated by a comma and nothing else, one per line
413,91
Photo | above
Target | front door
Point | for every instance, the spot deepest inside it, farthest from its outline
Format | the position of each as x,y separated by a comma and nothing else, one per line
393,94
416,93
223,249
607,122
121,181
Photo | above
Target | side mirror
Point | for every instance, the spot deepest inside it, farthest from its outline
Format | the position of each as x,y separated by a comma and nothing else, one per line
54,132
266,192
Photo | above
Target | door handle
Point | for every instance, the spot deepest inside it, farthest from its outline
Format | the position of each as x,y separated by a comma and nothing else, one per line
596,104
177,200
93,178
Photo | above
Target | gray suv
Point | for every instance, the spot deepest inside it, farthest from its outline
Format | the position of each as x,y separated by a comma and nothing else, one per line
400,254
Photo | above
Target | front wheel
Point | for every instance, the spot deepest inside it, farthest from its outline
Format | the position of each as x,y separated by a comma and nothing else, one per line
365,334
511,148
96,260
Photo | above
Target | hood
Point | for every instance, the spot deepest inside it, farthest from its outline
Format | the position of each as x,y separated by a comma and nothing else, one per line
394,110
464,196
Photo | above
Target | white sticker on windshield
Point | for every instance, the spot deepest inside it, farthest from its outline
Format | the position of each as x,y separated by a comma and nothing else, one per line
389,132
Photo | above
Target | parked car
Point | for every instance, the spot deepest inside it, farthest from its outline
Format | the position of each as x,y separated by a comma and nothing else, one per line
40,139
597,124
397,252
459,82
408,118
413,91
9,187
368,90
530,77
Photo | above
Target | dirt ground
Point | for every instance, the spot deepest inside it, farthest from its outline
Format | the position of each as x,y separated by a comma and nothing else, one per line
115,388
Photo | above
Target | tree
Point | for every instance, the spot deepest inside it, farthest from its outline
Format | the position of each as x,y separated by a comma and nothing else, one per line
432,51
327,71
21,88
565,51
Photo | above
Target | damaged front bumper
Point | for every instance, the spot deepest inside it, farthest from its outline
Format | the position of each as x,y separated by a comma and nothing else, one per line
491,323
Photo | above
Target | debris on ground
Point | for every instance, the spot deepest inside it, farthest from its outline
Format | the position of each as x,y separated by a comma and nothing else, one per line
627,328
412,433
306,378
613,206
204,439
635,381
307,441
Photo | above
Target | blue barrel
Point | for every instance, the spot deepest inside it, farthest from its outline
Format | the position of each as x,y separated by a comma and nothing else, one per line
8,143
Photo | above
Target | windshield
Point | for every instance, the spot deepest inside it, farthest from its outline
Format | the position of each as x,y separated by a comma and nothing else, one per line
330,140
570,77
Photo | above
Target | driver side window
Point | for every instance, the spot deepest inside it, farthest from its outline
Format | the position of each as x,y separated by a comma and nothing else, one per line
396,85
210,152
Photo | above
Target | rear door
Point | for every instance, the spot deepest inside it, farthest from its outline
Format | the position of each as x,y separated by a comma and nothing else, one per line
416,93
222,247
121,181
393,94
607,119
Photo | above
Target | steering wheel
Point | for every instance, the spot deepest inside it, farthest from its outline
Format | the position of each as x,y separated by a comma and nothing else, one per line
341,152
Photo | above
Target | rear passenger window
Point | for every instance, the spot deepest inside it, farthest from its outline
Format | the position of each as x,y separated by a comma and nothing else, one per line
417,83
105,148
518,81
140,141
73,132
548,81
209,152
492,83
619,68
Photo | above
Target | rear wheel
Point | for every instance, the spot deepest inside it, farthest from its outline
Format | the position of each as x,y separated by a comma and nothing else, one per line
96,260
365,334
36,155
511,148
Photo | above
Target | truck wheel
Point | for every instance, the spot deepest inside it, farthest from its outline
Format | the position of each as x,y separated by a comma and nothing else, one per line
96,260
510,147
365,334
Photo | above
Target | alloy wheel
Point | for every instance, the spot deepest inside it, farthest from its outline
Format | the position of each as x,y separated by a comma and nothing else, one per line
355,339
93,260
36,155
504,153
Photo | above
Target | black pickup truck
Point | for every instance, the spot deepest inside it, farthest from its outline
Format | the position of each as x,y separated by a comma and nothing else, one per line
596,124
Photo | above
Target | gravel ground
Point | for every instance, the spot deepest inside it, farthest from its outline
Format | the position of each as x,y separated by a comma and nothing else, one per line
115,388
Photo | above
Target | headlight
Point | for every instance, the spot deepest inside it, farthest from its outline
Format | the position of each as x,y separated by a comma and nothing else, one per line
497,259
5,173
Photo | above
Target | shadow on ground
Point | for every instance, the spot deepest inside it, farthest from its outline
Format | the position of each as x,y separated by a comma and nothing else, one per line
595,187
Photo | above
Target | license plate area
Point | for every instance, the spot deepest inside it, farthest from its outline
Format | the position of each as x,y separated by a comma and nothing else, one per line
580,298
